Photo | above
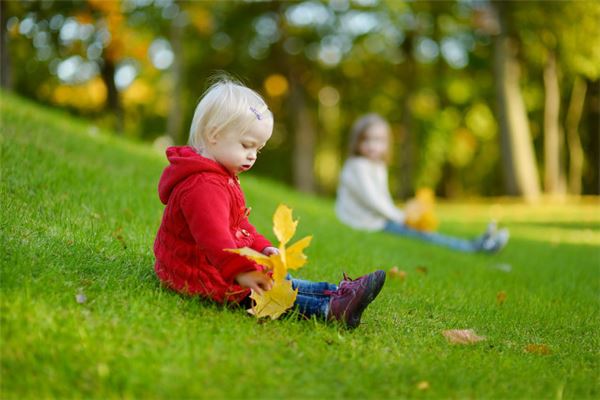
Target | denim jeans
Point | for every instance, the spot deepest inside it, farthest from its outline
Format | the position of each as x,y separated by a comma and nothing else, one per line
454,243
311,299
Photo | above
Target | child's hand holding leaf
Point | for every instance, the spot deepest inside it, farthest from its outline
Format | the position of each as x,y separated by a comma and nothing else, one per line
280,297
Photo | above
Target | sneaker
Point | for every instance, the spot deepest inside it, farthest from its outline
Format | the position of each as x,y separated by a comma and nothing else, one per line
491,229
353,296
495,242
347,281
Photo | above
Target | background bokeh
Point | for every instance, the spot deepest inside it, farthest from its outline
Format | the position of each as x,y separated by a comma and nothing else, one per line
484,98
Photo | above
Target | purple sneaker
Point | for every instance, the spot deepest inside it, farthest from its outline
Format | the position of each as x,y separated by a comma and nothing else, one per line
353,296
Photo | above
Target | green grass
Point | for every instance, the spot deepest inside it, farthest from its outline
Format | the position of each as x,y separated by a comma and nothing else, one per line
79,213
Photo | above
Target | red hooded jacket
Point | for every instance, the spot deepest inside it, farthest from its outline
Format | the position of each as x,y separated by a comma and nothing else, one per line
205,213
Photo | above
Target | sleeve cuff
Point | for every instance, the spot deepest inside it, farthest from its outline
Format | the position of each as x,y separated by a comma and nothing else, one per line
260,243
235,266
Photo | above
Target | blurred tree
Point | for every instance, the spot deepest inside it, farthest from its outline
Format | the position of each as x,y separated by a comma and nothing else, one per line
520,169
425,66
561,39
576,154
5,81
175,118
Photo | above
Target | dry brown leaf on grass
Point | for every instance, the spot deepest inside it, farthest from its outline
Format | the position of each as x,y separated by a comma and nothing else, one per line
501,297
462,336
394,272
422,270
538,349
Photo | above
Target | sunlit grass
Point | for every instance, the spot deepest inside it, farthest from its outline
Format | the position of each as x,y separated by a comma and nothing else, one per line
79,214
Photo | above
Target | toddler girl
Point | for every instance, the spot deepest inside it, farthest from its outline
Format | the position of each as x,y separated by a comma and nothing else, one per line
364,200
206,213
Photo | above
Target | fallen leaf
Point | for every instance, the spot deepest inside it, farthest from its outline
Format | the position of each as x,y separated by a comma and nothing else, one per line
501,297
462,336
422,270
117,235
423,385
537,349
394,272
274,302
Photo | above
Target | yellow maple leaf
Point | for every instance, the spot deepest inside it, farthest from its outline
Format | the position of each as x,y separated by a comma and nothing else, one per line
284,226
425,195
274,302
294,256
254,255
419,211
281,297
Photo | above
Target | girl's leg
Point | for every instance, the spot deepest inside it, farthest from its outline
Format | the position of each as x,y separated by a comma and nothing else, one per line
309,305
313,297
455,243
311,288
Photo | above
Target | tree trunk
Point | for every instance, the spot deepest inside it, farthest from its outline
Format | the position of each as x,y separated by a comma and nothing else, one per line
552,143
5,81
304,139
113,102
520,170
574,141
407,143
174,120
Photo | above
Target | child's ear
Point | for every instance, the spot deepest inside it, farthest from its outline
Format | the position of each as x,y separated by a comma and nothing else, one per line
213,135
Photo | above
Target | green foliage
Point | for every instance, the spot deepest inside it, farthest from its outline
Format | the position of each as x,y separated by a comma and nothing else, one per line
409,61
83,316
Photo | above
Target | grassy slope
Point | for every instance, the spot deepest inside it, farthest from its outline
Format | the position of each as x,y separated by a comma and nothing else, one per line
79,213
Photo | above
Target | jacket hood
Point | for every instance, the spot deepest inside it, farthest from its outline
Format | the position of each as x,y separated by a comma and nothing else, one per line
184,162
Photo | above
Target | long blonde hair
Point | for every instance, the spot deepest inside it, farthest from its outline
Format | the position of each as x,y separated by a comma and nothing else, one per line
226,106
360,128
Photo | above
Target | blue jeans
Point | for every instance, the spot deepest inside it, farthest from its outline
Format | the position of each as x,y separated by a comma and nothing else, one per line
468,246
312,299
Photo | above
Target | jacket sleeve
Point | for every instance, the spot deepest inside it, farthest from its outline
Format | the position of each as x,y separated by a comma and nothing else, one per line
364,189
260,242
206,208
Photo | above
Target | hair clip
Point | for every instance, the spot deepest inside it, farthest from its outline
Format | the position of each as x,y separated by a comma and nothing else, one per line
255,111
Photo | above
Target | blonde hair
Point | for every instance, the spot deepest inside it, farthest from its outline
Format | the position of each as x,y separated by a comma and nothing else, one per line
227,106
360,128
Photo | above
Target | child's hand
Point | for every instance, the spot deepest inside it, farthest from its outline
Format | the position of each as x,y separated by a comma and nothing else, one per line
255,280
267,251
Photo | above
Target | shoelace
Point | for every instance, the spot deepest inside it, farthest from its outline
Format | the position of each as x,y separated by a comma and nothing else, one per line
340,292
346,277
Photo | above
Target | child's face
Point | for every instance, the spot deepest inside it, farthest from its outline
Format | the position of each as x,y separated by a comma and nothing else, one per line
238,152
375,142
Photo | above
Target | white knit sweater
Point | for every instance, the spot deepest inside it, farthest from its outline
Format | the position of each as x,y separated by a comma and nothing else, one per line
363,197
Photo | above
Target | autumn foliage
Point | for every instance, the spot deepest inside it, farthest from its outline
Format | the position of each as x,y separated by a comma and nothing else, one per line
420,213
281,297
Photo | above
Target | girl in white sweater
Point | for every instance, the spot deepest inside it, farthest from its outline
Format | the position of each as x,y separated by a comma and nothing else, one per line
363,197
